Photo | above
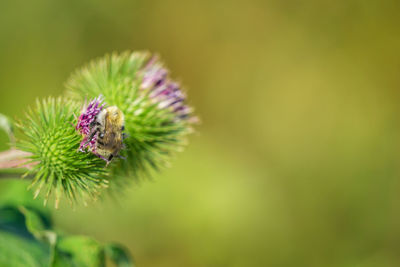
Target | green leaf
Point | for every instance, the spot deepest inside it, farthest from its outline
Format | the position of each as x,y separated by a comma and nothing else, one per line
37,228
79,251
17,245
6,125
118,255
17,251
27,240
27,237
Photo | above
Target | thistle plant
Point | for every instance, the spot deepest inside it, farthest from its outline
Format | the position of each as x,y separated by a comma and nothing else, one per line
63,135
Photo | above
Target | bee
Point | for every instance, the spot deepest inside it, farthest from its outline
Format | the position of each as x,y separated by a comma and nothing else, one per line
109,127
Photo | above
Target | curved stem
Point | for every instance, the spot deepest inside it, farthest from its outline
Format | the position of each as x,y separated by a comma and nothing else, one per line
13,163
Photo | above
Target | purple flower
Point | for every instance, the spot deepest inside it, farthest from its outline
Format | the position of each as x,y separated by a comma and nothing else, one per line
86,122
164,91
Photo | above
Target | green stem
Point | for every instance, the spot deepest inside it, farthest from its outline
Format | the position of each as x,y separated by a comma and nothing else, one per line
11,173
13,163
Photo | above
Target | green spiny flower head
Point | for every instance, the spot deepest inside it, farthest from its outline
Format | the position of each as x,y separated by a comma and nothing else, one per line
49,135
157,121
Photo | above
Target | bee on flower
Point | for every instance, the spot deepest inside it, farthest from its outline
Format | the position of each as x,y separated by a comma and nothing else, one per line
102,129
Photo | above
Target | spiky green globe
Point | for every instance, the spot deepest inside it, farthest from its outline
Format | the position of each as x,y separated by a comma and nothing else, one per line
49,135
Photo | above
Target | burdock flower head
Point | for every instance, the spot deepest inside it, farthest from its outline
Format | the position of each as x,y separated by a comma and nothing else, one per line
145,122
52,142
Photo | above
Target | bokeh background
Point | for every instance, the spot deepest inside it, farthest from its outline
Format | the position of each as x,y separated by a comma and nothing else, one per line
296,162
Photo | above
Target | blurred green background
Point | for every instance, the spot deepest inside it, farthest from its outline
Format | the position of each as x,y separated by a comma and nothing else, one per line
296,160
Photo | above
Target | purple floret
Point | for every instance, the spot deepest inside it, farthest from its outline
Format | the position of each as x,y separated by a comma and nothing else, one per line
164,91
86,121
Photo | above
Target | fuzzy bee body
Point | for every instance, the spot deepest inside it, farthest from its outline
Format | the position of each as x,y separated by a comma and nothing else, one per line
108,128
